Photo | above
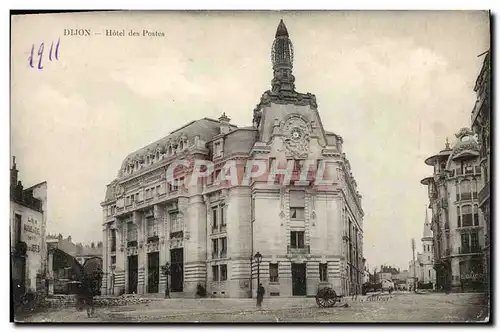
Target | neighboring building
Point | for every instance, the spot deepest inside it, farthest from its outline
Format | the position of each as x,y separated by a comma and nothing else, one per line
28,210
481,125
309,234
457,225
383,276
83,253
63,258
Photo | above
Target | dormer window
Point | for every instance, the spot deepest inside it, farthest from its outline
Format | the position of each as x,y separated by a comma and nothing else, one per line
170,150
181,146
218,149
157,155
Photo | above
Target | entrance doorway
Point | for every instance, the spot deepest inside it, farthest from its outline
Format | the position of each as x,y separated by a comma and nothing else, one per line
177,270
133,274
298,279
153,272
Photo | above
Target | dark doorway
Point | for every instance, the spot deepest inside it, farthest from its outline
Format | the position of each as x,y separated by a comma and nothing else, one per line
132,274
177,272
18,276
153,272
298,279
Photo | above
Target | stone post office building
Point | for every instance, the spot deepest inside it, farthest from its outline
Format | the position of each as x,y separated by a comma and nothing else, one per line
310,234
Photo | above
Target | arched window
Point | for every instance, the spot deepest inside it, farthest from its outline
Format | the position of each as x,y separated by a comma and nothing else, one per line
157,155
465,190
466,215
181,145
476,216
170,150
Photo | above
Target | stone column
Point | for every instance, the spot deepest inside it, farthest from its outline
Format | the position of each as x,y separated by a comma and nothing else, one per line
455,275
141,252
195,252
105,259
120,272
50,270
159,213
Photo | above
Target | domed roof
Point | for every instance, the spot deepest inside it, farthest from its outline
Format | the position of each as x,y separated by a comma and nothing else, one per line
466,145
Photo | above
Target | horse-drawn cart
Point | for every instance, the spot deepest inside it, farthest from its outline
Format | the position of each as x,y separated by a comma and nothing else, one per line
326,297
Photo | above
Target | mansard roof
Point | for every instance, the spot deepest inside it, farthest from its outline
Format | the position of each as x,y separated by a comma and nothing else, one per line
204,128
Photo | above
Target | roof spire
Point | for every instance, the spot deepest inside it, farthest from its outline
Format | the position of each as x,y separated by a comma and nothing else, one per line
282,59
281,31
427,226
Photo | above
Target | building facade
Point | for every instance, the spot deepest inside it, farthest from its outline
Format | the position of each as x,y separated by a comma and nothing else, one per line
260,193
481,124
27,234
457,223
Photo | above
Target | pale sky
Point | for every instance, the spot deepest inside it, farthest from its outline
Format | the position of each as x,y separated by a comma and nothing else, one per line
394,85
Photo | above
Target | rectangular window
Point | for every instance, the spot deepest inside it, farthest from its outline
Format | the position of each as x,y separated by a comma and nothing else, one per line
464,239
273,272
147,193
465,190
175,222
223,247
157,190
113,240
152,227
223,272
132,234
297,239
222,221
214,217
215,273
113,259
216,177
474,240
217,149
215,248
17,228
297,214
476,216
467,215
459,219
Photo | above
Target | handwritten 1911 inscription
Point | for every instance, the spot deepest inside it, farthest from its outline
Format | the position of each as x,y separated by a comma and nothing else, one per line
36,60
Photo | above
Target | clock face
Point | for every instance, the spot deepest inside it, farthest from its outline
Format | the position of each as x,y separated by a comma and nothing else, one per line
296,134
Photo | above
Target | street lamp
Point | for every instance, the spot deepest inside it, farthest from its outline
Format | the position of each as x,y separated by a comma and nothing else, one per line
258,258
166,271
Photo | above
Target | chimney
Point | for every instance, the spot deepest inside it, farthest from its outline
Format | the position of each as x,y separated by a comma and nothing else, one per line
224,124
13,173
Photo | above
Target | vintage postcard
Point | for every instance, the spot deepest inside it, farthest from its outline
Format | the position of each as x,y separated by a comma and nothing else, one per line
250,166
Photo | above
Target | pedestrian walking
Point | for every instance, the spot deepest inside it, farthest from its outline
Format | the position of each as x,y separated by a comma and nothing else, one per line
260,295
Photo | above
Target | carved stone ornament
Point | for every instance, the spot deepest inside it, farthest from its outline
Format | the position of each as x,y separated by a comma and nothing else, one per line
296,137
119,190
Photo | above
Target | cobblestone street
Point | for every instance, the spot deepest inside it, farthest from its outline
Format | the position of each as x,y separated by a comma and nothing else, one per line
400,307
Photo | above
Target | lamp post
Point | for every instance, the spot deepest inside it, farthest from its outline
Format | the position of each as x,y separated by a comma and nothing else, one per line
166,271
258,258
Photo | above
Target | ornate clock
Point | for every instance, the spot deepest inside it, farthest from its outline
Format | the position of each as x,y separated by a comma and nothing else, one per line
297,137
